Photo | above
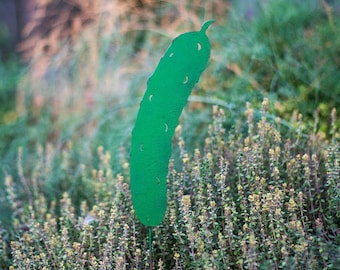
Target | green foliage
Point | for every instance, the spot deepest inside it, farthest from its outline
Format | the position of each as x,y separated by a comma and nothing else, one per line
287,51
10,73
167,93
244,201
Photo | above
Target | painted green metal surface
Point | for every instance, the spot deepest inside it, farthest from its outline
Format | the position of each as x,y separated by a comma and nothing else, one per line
167,93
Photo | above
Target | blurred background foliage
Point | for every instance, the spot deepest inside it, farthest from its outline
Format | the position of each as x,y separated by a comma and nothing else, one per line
83,67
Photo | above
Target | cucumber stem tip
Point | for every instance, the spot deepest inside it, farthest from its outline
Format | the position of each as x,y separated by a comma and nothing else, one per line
206,25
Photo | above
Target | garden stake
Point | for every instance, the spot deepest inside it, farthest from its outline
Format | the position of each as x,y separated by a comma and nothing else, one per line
150,245
167,93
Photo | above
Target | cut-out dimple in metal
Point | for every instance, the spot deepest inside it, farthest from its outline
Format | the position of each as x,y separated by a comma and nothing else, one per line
186,79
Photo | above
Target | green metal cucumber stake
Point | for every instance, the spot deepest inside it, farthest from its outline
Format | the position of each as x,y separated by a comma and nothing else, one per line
167,93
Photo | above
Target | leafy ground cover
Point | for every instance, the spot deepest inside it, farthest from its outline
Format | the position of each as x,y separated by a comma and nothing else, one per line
258,201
